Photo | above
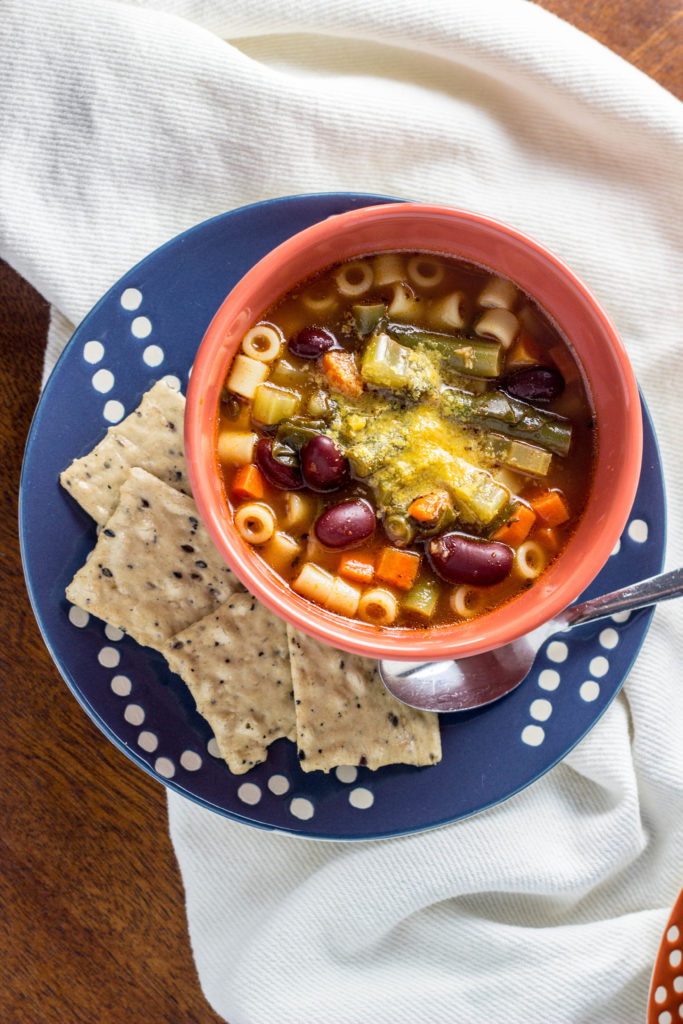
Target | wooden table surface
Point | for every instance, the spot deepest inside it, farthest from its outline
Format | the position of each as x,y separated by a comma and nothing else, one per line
93,910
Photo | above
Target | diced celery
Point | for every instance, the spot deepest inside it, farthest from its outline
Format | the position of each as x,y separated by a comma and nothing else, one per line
286,372
475,492
272,404
518,455
387,364
320,404
421,599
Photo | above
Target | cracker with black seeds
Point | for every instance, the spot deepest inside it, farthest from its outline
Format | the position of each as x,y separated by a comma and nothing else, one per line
151,437
235,663
154,569
346,716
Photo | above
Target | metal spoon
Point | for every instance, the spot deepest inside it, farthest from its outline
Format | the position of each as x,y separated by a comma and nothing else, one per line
471,682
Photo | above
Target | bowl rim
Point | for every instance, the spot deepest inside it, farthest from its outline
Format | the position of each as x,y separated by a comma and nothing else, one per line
517,616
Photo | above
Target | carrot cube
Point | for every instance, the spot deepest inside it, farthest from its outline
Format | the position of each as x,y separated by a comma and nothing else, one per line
248,482
398,567
428,507
342,373
547,537
357,566
550,507
517,528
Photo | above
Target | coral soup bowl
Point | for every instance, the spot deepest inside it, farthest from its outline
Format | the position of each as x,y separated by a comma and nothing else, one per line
558,291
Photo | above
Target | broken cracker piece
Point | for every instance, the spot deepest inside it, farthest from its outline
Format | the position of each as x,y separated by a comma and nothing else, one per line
151,437
346,716
235,662
154,569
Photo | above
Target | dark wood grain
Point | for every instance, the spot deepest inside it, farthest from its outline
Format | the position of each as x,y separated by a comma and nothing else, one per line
93,923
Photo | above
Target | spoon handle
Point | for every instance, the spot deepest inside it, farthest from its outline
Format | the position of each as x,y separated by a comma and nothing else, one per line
658,588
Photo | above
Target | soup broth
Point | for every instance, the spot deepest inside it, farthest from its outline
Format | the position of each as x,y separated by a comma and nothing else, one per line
406,439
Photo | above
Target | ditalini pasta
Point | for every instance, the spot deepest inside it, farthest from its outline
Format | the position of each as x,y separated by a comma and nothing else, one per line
406,439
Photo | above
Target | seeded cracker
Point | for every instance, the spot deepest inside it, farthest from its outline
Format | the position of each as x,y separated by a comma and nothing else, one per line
346,716
151,438
154,569
235,662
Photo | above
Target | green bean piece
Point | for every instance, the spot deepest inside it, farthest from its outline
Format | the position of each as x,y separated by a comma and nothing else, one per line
421,599
296,433
285,454
497,411
367,317
475,357
446,518
399,528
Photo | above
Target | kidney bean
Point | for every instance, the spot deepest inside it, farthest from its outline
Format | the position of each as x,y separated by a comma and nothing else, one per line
461,559
287,478
346,524
539,384
312,342
323,466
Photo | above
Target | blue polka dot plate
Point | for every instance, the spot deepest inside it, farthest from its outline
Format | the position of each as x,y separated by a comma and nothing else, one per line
148,326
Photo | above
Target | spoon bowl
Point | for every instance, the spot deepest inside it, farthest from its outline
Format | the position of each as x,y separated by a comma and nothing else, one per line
467,683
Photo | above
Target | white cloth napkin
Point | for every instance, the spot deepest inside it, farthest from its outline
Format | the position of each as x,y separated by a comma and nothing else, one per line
122,124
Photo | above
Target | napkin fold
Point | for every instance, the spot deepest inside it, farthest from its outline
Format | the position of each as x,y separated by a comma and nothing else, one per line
125,123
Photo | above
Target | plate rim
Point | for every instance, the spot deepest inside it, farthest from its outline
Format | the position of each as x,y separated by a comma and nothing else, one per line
128,751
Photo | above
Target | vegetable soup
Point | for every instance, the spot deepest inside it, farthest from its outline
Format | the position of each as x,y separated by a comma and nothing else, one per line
406,439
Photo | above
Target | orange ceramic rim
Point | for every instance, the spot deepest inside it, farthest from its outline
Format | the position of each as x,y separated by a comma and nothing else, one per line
561,294
666,987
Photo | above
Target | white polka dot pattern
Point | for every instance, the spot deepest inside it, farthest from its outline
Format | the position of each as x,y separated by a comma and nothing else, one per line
589,691
164,766
109,657
540,709
153,355
638,530
609,638
93,351
557,651
278,784
141,327
190,761
114,411
148,741
249,793
599,666
361,798
103,381
533,735
549,679
121,686
302,808
134,714
131,298
78,617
